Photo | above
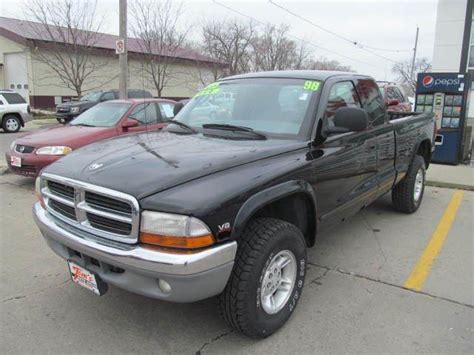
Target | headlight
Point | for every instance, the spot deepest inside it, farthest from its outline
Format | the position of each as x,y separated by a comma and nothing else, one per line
75,109
54,150
12,145
174,231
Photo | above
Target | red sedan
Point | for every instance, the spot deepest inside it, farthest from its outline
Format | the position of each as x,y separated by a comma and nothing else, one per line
32,152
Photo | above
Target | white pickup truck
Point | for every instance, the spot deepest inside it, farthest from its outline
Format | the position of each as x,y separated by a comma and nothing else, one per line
14,111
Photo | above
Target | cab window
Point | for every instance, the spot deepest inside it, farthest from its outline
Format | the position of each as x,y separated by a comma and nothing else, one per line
342,94
372,101
107,96
145,113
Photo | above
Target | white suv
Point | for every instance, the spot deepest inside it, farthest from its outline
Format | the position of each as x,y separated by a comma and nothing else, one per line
14,111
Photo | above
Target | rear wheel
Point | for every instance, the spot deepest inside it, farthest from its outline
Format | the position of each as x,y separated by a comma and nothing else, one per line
408,193
267,280
11,123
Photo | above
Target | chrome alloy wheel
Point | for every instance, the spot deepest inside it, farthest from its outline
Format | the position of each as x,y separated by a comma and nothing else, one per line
278,282
11,124
419,181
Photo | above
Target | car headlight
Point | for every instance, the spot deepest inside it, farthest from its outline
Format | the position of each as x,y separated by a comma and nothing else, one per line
174,231
75,109
12,145
54,150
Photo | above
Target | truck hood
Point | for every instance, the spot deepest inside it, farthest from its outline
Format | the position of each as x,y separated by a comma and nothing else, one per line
72,136
147,163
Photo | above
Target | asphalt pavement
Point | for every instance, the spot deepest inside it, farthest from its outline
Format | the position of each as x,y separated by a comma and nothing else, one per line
355,298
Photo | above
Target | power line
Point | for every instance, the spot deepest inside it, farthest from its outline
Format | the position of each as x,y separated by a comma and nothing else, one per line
297,38
353,42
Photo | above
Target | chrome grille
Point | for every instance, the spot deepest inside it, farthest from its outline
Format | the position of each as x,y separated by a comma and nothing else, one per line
103,212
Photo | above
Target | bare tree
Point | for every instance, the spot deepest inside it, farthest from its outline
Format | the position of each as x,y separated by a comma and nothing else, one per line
67,32
229,42
326,64
273,50
156,26
402,71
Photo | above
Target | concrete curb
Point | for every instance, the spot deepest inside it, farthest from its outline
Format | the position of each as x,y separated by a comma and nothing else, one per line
449,185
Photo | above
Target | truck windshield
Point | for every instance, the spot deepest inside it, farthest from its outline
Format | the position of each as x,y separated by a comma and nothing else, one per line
102,115
92,96
273,106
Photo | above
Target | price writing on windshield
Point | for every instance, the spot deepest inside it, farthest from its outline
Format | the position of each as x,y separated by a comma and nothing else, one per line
311,85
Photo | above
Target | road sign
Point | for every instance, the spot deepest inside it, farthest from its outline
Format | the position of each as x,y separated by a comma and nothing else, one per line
119,46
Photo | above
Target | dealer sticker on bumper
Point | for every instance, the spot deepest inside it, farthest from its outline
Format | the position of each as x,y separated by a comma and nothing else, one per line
86,279
15,161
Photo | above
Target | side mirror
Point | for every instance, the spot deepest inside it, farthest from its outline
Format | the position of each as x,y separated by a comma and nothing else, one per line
129,123
349,119
177,107
392,102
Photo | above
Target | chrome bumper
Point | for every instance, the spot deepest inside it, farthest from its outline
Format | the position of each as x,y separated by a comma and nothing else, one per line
192,276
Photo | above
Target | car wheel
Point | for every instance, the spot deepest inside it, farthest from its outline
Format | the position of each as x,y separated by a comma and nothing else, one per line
408,193
11,123
267,280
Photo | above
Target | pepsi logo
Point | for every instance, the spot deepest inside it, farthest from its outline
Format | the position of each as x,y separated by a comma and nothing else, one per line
428,81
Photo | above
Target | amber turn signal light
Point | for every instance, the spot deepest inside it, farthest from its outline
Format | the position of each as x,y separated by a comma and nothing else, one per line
177,242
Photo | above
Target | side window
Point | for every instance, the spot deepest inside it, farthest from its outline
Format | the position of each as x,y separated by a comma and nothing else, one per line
166,110
393,93
145,113
14,98
108,96
401,95
342,94
372,101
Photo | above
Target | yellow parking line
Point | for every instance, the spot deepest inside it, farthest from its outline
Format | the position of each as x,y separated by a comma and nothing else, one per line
419,274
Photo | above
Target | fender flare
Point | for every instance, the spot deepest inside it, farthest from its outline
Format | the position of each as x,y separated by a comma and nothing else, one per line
269,195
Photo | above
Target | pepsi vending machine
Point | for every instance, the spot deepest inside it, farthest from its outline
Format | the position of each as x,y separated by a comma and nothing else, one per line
444,94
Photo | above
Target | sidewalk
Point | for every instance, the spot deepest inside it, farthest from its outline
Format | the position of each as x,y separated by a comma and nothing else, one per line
455,177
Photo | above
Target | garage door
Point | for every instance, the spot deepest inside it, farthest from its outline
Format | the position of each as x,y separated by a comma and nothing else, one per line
16,74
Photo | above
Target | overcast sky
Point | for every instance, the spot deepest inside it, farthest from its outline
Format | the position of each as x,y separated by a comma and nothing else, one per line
384,24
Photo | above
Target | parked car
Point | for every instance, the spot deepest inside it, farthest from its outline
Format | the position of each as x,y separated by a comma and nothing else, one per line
14,111
32,152
228,205
395,98
65,112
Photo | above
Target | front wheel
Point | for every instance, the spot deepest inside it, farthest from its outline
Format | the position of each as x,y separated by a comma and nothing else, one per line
408,193
267,280
11,124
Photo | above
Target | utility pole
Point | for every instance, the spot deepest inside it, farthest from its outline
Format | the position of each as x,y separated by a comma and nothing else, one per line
123,61
414,53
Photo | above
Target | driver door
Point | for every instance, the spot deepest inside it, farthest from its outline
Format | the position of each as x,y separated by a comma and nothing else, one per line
344,166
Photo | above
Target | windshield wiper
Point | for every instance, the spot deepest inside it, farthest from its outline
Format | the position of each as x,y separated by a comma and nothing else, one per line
232,128
82,124
183,125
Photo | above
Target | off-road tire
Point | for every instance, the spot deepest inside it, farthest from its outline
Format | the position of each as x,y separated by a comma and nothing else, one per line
5,124
403,193
239,304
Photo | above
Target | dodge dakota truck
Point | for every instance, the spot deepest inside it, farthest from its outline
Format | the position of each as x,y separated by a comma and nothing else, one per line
227,204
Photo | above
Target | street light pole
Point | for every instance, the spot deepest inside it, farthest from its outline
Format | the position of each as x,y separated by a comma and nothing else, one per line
414,53
123,62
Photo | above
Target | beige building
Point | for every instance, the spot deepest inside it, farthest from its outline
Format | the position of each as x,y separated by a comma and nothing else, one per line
22,70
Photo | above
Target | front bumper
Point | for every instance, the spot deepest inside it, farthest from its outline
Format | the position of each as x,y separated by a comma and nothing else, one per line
31,164
66,116
192,276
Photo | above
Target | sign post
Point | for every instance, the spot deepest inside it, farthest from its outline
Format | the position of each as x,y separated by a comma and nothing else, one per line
121,50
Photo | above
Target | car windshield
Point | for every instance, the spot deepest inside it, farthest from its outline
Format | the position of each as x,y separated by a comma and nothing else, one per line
92,96
106,114
272,106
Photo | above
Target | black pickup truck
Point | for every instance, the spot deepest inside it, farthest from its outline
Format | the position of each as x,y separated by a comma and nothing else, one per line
227,203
